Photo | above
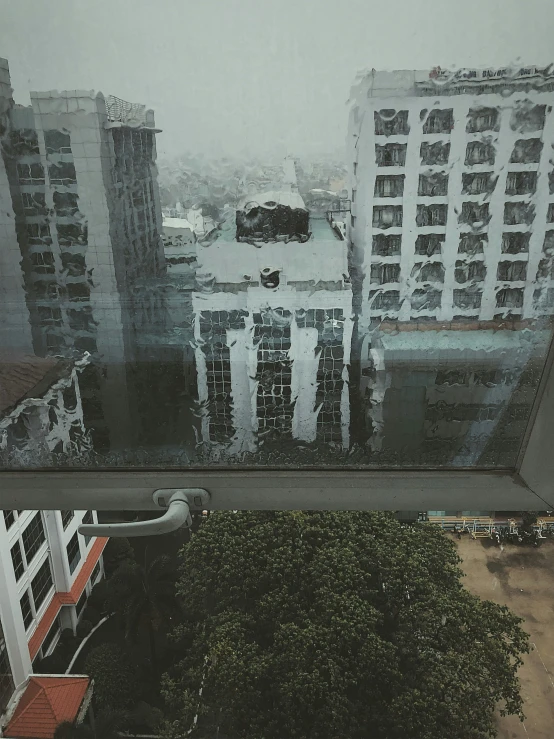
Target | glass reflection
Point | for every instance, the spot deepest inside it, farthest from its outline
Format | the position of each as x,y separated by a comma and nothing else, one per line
400,318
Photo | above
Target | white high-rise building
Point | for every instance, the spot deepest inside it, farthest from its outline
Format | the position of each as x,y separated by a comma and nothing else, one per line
452,191
47,568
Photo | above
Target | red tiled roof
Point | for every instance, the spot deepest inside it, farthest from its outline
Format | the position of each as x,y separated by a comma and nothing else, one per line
46,702
23,376
66,599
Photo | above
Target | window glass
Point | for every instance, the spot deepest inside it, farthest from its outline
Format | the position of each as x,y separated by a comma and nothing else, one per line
73,552
41,584
26,611
33,537
17,560
67,517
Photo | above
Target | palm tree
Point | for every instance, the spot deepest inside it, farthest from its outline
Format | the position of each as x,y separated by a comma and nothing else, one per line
145,598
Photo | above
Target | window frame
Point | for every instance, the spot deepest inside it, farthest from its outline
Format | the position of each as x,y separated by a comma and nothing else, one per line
526,486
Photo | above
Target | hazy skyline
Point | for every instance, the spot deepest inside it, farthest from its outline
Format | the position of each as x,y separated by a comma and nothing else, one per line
227,76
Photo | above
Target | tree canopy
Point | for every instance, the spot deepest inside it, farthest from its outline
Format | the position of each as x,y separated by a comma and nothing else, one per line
328,624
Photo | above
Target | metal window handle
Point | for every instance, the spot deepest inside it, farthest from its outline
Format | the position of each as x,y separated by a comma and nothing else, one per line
178,503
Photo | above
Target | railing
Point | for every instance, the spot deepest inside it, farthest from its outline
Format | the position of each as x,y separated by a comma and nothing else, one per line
124,112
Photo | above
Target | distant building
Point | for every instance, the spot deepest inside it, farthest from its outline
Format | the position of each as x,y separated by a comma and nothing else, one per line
452,224
83,185
273,326
452,196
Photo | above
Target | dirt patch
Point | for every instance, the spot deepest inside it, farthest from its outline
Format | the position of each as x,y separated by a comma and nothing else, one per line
521,578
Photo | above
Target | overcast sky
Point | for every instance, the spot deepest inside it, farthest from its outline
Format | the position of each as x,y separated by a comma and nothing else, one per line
267,76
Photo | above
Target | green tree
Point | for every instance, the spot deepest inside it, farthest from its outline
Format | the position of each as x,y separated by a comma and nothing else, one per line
118,550
115,676
145,597
107,724
323,624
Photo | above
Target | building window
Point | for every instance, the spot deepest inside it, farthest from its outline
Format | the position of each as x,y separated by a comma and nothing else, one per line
78,291
73,553
95,573
7,685
467,299
509,298
387,215
438,121
38,233
34,203
57,142
390,155
353,221
429,244
30,174
355,167
50,637
67,517
426,299
26,610
386,246
517,213
49,316
81,603
389,300
88,519
474,214
433,185
526,151
389,186
483,119
478,183
9,519
515,242
42,263
42,584
430,272
526,119
472,243
391,123
436,153
521,183
469,272
71,234
33,537
550,213
382,274
62,173
17,560
511,271
353,196
431,215
66,204
479,152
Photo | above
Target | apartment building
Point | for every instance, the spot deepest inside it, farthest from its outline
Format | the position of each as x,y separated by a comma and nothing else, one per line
15,329
273,327
452,190
47,571
83,186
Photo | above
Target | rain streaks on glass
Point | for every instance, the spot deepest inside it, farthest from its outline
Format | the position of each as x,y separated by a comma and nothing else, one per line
392,309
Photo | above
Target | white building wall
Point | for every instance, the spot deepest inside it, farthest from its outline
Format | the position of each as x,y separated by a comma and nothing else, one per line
399,92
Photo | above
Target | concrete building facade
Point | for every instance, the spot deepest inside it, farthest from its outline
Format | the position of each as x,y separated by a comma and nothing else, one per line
452,191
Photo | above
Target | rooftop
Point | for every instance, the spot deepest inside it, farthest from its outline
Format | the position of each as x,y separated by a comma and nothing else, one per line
46,703
25,376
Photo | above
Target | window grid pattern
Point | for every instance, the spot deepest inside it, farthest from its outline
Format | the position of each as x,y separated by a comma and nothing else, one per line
480,148
67,517
7,685
26,610
274,373
17,560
